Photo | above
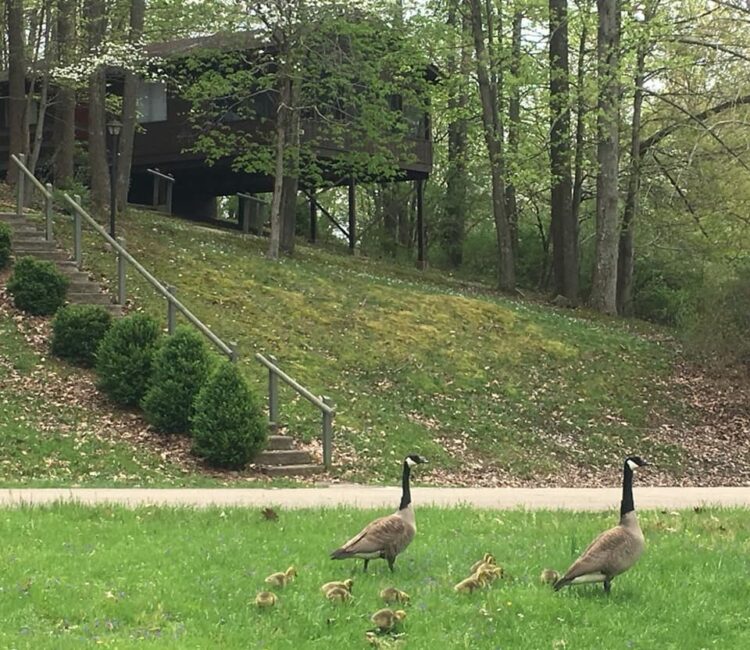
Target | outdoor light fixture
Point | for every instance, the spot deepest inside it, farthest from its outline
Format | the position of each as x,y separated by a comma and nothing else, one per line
113,128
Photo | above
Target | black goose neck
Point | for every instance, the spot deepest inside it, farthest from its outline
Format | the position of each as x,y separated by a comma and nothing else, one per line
405,491
627,505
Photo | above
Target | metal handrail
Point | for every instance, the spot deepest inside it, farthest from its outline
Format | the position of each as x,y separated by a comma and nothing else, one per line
250,197
229,350
325,405
156,172
31,177
46,191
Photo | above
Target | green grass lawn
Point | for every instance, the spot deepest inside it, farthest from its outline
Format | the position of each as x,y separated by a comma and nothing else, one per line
412,360
73,577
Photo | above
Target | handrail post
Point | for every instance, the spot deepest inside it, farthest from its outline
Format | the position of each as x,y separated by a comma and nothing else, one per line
233,356
169,196
171,311
155,196
48,213
20,189
77,234
121,266
327,434
273,395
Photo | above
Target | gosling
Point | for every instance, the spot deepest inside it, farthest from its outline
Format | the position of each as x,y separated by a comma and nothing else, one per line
346,584
386,619
487,559
265,599
338,595
468,585
549,577
282,578
393,595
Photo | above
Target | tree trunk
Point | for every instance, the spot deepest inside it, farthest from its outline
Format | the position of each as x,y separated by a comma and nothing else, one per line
291,171
16,82
580,129
278,180
564,229
98,163
129,117
514,126
604,284
493,134
626,255
64,124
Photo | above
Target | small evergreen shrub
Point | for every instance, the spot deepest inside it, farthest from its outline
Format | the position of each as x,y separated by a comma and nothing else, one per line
4,245
228,428
181,367
37,286
125,356
77,331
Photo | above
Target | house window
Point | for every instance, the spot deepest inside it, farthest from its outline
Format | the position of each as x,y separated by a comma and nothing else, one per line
152,102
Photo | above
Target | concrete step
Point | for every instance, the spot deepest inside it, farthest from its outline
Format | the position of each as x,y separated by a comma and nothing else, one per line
82,285
293,470
26,229
50,255
91,298
32,245
278,443
282,457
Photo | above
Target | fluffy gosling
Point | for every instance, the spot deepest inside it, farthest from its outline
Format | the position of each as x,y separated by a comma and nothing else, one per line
549,577
487,559
468,585
282,578
265,599
346,584
488,573
393,595
338,595
386,619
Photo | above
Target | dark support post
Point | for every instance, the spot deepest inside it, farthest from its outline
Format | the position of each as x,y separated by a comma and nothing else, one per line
327,435
121,274
273,396
420,224
352,215
171,311
113,128
313,217
170,185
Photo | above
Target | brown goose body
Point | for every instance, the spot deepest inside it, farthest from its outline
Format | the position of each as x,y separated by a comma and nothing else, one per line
615,550
388,536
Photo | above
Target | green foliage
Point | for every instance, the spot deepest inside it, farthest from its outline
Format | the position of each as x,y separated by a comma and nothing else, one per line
181,367
5,234
125,357
77,331
716,325
37,286
228,427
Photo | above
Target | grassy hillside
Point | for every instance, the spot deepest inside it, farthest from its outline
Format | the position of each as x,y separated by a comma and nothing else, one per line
488,388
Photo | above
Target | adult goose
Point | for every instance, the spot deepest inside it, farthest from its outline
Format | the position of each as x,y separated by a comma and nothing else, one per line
386,537
616,549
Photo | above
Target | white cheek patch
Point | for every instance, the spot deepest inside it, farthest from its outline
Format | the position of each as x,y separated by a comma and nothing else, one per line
410,462
632,464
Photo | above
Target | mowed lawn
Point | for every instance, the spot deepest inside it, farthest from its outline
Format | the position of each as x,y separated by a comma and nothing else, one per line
73,577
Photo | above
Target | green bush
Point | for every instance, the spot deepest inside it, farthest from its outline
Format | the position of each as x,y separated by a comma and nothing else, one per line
125,357
37,286
228,429
181,367
77,331
4,245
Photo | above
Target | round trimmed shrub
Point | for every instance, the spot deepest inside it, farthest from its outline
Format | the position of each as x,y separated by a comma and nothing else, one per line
228,428
4,245
125,357
181,367
77,331
37,286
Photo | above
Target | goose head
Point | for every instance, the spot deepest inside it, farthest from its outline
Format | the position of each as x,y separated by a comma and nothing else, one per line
634,462
414,459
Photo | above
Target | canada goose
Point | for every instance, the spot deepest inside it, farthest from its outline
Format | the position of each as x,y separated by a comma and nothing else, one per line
468,585
386,619
616,549
265,599
393,595
346,584
338,594
282,578
549,577
387,536
487,559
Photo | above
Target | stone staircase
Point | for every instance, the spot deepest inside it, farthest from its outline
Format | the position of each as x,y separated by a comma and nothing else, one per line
28,240
281,459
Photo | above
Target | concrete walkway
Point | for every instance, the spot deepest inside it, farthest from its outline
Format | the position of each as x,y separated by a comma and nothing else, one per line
388,497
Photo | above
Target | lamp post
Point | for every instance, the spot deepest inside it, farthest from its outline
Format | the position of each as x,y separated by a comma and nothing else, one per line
113,128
